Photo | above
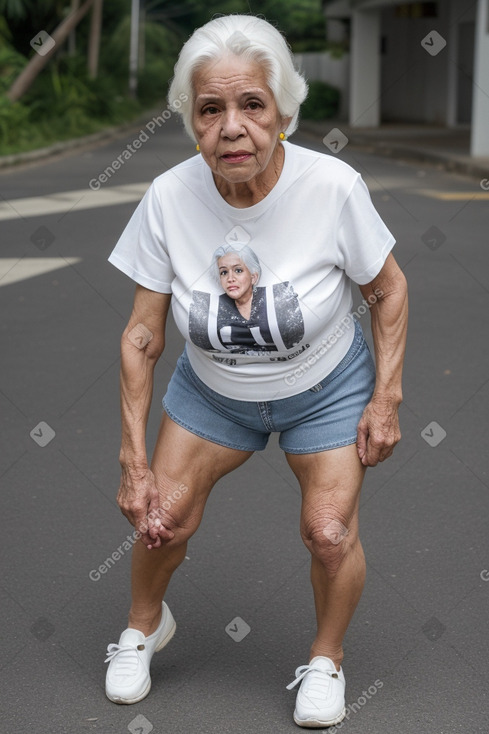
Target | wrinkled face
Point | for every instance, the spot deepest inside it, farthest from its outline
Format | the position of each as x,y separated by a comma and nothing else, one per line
235,118
235,277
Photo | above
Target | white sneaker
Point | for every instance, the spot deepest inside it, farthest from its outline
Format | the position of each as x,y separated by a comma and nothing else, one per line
321,697
128,679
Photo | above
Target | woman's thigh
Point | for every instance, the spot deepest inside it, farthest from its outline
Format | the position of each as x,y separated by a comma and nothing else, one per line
330,483
186,467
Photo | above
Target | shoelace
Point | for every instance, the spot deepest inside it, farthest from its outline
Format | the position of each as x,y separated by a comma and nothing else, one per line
127,657
302,670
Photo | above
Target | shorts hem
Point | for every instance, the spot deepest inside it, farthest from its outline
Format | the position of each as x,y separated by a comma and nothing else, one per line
201,434
318,449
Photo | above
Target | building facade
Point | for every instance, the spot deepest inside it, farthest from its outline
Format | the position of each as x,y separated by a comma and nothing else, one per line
419,62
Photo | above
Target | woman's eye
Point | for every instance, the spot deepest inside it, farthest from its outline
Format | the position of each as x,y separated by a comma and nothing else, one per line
210,110
238,270
223,272
254,105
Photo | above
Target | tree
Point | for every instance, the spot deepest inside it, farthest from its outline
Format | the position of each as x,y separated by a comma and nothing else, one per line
94,38
38,61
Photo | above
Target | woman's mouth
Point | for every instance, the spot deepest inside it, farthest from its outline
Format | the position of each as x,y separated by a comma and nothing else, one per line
236,157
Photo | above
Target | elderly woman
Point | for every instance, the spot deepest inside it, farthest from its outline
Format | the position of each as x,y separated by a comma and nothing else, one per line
310,222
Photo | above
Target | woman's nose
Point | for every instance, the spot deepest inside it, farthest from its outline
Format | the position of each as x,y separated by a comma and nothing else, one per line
232,125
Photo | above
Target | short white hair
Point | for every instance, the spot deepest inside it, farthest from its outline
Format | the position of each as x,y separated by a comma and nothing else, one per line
251,38
245,254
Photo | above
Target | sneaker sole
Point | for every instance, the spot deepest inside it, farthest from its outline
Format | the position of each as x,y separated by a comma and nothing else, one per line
165,641
128,701
316,723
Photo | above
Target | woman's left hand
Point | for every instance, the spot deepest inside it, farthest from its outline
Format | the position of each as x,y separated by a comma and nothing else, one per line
378,431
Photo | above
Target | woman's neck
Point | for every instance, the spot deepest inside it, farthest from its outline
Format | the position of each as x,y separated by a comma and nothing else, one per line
248,193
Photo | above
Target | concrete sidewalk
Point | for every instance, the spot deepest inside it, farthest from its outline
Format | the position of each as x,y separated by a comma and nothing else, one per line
446,148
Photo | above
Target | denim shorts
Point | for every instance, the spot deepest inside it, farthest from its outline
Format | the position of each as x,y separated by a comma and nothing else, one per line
324,417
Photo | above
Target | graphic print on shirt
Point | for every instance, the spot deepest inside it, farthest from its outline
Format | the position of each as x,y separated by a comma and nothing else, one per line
246,318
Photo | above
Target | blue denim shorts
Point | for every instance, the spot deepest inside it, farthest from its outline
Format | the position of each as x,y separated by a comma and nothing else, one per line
324,417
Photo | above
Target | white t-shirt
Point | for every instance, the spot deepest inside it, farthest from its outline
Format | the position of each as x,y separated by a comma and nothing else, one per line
315,232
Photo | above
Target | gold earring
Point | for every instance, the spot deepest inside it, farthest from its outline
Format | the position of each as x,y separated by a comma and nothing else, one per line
197,148
283,136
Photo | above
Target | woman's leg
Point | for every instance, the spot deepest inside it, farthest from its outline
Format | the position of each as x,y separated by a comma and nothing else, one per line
186,467
330,482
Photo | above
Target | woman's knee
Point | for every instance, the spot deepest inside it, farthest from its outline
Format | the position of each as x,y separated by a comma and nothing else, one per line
180,507
329,533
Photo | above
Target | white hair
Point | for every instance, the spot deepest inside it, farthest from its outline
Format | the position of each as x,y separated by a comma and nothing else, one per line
251,38
245,254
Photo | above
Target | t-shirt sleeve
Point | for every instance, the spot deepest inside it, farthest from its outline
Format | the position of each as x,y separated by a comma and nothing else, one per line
141,252
363,239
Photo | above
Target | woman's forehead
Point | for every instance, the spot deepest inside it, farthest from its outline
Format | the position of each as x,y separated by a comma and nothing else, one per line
231,258
230,73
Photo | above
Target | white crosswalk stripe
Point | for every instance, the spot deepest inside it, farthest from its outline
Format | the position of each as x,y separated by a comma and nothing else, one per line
64,202
14,269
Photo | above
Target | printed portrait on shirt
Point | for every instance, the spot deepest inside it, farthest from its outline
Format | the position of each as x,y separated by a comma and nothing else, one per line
241,316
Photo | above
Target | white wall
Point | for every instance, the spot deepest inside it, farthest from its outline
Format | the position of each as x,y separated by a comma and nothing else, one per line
365,68
414,84
325,68
480,109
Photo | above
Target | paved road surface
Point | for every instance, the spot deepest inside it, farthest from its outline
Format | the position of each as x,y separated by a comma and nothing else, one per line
416,651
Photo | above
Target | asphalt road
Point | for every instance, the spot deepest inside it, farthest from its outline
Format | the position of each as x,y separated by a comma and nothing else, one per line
417,649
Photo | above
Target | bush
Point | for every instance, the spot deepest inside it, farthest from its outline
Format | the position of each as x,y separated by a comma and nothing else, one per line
15,128
323,101
11,64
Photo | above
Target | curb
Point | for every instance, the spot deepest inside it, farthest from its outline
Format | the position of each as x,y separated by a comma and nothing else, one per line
107,133
475,168
453,164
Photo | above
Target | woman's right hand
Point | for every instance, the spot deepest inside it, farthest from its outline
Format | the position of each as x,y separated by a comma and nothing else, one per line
138,499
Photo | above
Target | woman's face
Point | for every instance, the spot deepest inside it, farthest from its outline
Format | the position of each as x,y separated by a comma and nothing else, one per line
235,118
235,277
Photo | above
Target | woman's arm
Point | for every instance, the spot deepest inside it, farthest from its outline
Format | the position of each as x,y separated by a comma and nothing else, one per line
138,496
378,430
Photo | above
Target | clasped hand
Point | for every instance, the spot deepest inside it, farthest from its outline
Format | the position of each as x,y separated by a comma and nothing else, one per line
139,501
378,431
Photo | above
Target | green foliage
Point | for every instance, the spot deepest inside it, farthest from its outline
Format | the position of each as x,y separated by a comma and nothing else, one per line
153,81
14,9
161,47
63,102
11,64
323,101
25,18
14,125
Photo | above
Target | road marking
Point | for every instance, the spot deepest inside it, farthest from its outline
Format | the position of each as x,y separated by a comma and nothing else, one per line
454,195
68,201
13,270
